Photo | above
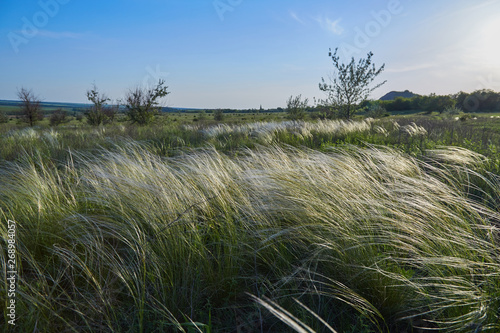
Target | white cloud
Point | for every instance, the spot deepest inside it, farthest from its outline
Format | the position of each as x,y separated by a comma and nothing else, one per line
296,18
329,25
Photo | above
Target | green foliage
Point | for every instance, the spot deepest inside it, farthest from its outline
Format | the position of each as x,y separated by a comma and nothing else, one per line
429,104
57,117
351,84
218,115
296,107
369,239
143,103
151,234
376,111
479,101
399,104
202,115
96,115
451,112
3,117
436,103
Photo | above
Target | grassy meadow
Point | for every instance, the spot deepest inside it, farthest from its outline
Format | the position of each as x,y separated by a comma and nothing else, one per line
254,224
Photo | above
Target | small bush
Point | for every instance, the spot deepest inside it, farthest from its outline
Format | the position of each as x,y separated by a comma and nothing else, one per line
3,117
143,104
377,111
58,117
296,107
451,112
218,115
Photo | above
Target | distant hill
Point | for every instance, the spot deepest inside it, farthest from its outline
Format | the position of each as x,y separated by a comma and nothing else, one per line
393,94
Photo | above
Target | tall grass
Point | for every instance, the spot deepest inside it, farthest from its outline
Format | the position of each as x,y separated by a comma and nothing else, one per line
123,240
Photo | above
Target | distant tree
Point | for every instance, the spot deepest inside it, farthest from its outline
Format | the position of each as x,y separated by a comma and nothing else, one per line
401,104
57,117
437,103
218,115
296,107
31,109
143,104
485,100
95,114
350,85
460,99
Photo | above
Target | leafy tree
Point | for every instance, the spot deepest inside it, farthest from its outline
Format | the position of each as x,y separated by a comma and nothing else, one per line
484,100
401,104
296,107
351,84
460,99
437,103
143,104
95,114
31,108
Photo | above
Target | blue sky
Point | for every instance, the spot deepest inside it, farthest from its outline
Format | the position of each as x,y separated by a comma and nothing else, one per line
243,53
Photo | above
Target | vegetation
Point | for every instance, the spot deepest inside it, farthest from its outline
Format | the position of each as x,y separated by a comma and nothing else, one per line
370,225
477,101
3,117
143,104
351,85
255,221
296,107
218,115
58,117
99,113
30,106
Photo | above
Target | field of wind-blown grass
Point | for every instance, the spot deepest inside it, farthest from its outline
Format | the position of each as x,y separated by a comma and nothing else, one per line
369,239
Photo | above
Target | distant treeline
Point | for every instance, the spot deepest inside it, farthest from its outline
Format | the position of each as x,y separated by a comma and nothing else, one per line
181,110
477,101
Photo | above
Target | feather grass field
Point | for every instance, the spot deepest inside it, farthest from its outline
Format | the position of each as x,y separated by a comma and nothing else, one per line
363,239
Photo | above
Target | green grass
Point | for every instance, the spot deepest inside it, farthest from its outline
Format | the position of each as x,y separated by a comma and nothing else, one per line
174,226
